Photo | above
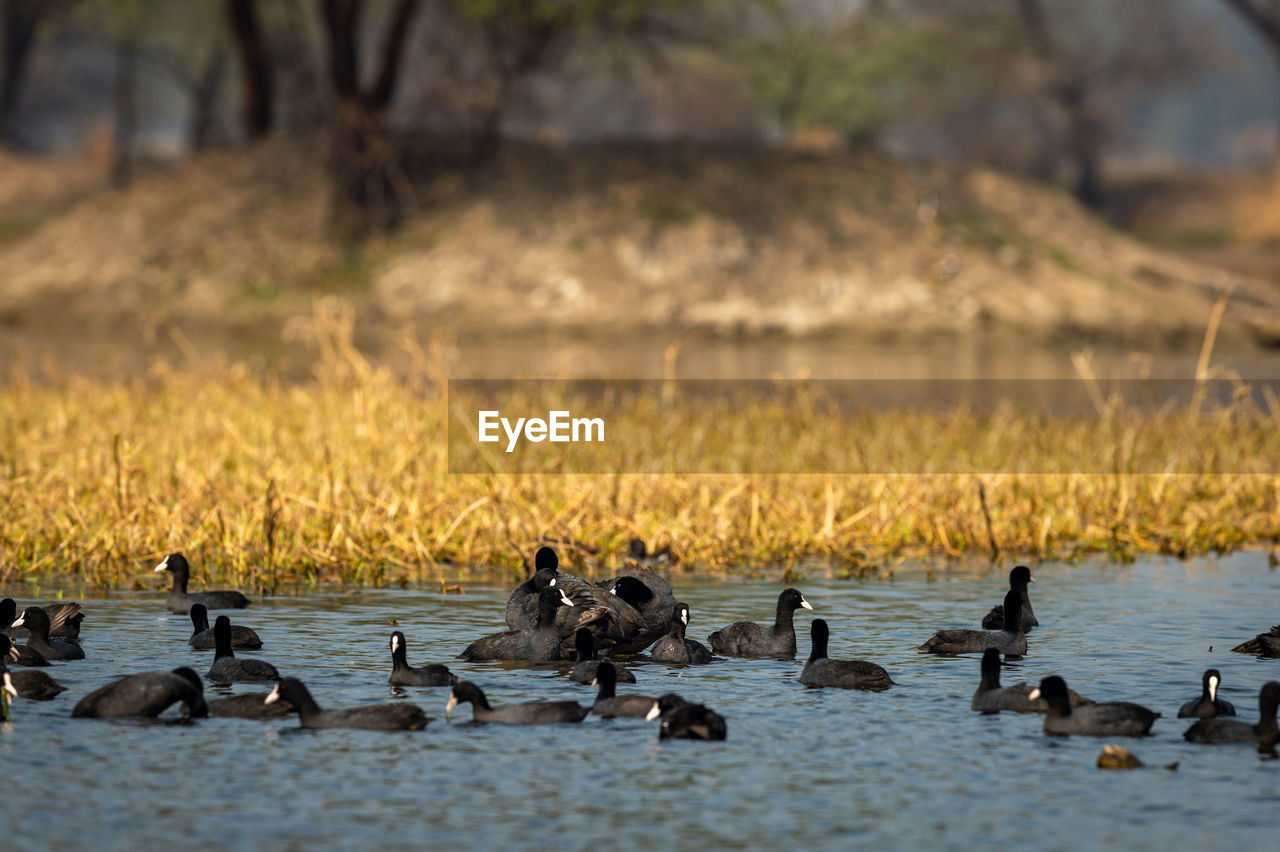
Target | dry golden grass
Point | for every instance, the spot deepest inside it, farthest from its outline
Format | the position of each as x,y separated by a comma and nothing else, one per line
343,479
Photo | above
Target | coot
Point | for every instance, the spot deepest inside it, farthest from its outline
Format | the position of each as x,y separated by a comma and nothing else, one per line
1208,705
227,668
991,697
375,717
684,721
539,644
821,670
1111,719
36,620
180,602
675,647
609,704
146,694
403,674
527,713
748,639
1219,731
584,671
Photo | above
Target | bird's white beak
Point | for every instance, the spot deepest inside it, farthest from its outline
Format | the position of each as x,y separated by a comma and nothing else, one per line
804,603
1033,579
395,642
1213,689
553,582
18,622
164,565
448,708
565,599
273,697
653,713
1033,694
684,616
9,687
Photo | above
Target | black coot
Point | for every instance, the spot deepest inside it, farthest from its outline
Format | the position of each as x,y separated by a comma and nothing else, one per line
375,717
821,670
1009,641
677,649
1208,705
991,697
146,694
584,671
528,713
1220,731
249,705
1264,644
180,602
202,638
1019,577
403,674
21,655
1111,719
684,721
609,704
37,686
638,554
36,620
227,668
748,639
643,592
64,620
539,644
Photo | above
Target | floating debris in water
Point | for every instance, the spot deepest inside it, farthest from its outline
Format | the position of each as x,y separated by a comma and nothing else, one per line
1117,757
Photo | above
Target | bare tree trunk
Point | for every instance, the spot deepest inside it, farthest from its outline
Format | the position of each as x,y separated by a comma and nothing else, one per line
368,193
205,90
125,104
18,22
256,79
1070,92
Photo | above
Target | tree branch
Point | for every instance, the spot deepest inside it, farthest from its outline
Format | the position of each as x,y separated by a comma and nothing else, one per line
398,27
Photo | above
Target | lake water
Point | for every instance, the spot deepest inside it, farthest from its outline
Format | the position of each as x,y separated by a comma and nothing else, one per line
801,768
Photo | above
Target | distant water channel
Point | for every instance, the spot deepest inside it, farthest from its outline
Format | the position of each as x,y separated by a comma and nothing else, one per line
802,768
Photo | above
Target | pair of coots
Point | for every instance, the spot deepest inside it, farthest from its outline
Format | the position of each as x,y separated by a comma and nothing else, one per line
991,697
1012,639
539,643
202,638
1217,731
64,620
27,683
584,671
227,667
37,623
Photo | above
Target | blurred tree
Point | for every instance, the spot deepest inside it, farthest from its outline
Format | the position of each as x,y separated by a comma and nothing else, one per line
852,72
369,191
22,23
256,77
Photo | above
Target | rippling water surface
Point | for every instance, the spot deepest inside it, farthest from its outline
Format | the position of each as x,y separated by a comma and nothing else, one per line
801,768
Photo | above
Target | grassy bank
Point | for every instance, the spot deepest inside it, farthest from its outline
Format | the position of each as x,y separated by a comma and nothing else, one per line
343,479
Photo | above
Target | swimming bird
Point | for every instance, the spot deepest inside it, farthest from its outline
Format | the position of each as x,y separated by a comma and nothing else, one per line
202,639
611,615
675,648
1220,731
146,694
821,670
638,554
64,619
1110,719
1019,577
1264,644
584,671
36,620
398,716
1012,640
403,674
648,595
609,704
748,639
180,602
684,721
1208,705
991,697
249,705
539,644
37,686
527,713
227,668
21,655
